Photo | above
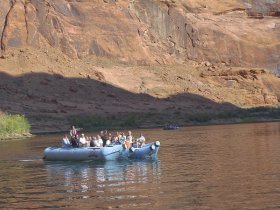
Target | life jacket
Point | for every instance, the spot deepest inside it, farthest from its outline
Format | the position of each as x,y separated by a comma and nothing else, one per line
73,132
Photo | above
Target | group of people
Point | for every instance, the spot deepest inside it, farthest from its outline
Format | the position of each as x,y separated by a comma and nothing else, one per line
102,140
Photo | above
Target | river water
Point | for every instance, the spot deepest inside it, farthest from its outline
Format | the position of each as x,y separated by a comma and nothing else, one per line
203,167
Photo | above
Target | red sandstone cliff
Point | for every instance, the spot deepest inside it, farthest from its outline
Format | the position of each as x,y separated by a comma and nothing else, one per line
148,31
65,57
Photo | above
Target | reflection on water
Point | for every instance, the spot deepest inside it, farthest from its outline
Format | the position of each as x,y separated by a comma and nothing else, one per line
37,184
85,176
114,182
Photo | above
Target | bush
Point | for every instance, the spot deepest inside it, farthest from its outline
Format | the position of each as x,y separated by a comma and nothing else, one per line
13,126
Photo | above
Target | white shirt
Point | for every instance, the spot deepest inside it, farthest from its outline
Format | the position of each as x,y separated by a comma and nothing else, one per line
65,142
83,140
122,139
141,139
98,143
129,139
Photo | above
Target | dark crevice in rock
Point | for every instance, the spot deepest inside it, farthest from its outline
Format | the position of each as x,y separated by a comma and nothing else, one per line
3,46
189,35
48,6
25,19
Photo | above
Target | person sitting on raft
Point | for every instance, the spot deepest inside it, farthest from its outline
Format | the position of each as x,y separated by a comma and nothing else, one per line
92,142
98,142
122,138
82,141
89,139
75,141
115,140
129,140
140,141
65,141
108,140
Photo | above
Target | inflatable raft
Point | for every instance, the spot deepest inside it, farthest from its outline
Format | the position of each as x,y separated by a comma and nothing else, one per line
170,127
112,152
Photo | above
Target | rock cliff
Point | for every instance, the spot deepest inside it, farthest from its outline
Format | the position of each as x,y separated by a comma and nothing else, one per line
61,58
239,32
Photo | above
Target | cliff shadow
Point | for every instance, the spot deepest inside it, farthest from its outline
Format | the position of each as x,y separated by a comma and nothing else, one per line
52,102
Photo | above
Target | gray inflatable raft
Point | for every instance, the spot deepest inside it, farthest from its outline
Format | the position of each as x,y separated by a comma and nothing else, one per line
112,152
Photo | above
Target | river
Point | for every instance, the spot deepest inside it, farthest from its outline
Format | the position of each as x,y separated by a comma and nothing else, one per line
201,167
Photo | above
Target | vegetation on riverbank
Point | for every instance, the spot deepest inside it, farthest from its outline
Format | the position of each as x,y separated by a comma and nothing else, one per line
13,126
255,114
180,117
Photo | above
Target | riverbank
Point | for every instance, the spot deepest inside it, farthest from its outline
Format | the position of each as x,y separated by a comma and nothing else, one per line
89,122
16,136
248,121
98,93
17,126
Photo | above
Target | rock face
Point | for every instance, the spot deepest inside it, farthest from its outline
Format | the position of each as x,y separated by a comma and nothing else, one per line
217,31
237,32
64,58
101,28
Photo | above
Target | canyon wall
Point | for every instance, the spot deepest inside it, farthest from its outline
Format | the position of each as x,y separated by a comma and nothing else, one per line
238,33
65,58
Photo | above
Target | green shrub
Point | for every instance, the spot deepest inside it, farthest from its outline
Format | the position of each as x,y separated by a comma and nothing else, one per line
13,125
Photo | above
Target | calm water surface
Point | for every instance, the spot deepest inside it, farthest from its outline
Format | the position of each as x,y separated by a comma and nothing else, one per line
207,167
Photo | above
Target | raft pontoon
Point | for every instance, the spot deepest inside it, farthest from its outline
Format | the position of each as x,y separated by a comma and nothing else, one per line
111,152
